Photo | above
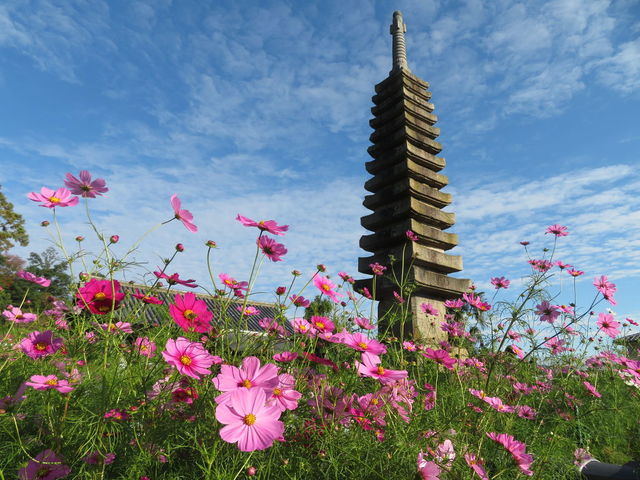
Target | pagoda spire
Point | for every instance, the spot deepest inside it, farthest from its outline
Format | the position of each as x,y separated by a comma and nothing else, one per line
397,29
406,195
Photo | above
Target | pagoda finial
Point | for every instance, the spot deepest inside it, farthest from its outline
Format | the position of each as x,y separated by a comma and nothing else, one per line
397,29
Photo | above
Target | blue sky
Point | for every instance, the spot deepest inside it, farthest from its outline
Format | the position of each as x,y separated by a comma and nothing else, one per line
262,108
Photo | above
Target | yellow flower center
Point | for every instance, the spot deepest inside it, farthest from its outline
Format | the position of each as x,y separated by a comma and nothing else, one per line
320,325
104,308
363,345
249,419
374,401
380,370
41,346
54,199
326,287
277,392
100,296
190,314
185,360
19,316
246,383
52,382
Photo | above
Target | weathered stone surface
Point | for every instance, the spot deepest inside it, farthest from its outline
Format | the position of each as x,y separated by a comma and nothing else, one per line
429,284
406,168
400,123
400,107
391,235
414,255
407,133
400,153
404,187
408,207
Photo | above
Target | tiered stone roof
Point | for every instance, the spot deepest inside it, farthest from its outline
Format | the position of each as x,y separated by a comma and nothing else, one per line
406,194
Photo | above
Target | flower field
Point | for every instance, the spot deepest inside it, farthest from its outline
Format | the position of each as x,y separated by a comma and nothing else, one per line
527,387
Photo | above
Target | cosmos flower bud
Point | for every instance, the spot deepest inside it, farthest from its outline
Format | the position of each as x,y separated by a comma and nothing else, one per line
296,273
180,247
211,244
281,290
114,238
84,276
79,238
321,268
44,223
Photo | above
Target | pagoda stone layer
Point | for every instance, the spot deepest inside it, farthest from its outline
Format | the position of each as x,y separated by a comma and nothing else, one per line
406,195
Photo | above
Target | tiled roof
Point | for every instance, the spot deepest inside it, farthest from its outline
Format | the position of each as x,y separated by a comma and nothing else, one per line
634,337
230,317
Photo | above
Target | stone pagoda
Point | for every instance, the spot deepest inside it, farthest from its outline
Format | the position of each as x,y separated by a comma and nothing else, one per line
406,195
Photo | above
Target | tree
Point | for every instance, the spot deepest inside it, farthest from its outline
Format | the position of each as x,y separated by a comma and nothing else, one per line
11,226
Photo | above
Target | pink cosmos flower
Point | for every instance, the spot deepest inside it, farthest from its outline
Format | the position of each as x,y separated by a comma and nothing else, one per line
524,411
30,277
271,325
285,356
547,312
497,404
117,415
122,327
100,296
250,376
441,357
299,301
264,225
429,309
557,230
362,343
14,314
363,322
445,454
300,325
398,297
430,397
591,389
476,465
190,358
322,324
249,310
84,186
377,269
96,458
370,367
49,382
175,279
233,284
271,248
411,236
52,199
346,277
40,344
366,293
574,273
541,265
517,350
145,347
608,325
500,282
285,396
454,304
47,465
190,313
606,288
516,449
409,346
556,345
428,470
248,421
146,298
327,287
185,216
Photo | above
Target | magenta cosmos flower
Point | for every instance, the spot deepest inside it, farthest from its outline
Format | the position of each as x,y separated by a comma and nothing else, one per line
248,421
272,249
48,382
370,367
429,309
250,376
145,347
84,186
30,277
591,389
100,296
190,313
47,465
557,230
608,325
516,449
476,464
362,343
440,356
175,279
606,288
327,287
190,358
264,225
54,198
285,396
185,216
14,314
500,282
40,344
146,298
428,470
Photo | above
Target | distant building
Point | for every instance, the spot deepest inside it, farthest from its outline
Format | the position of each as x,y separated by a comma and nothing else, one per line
632,343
